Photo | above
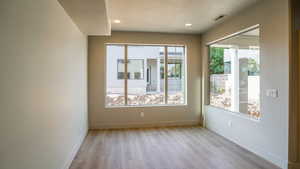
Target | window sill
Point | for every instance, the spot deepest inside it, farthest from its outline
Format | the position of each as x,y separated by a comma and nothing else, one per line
237,114
147,106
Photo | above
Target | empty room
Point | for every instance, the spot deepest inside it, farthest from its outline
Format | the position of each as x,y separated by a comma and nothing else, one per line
149,84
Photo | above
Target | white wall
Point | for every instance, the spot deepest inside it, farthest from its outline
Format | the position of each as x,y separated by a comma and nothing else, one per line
269,136
43,85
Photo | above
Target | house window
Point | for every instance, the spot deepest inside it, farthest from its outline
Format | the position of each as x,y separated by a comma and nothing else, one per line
174,71
234,68
135,89
135,69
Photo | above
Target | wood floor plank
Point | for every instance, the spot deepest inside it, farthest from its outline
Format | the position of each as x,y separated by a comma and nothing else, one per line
163,148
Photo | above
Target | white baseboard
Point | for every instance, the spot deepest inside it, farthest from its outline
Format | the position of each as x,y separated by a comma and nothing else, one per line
143,125
74,151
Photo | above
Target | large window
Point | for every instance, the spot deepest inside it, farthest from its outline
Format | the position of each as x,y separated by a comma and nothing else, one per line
135,75
234,69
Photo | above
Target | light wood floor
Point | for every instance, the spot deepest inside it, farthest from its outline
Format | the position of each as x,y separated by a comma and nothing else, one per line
163,148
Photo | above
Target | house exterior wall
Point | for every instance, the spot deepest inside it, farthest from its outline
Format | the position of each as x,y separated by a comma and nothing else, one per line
116,85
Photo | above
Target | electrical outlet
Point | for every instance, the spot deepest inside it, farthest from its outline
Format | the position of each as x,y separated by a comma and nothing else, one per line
142,114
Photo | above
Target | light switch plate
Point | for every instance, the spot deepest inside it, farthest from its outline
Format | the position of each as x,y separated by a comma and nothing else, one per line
272,93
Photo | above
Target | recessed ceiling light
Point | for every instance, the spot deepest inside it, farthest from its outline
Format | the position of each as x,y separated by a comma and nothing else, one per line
117,21
188,24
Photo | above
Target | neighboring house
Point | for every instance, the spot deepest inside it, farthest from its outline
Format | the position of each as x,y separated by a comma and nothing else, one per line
145,69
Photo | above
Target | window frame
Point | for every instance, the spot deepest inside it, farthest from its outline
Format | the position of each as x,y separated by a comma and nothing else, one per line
208,95
125,45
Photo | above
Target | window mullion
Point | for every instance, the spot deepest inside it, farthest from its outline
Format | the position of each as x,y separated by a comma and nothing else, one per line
235,79
166,75
126,74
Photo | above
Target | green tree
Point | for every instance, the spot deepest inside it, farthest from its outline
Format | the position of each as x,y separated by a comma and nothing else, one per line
216,65
253,67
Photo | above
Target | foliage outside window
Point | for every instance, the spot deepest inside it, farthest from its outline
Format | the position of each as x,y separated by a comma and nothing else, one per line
216,65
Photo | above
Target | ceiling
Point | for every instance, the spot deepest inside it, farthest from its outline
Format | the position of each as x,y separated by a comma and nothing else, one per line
89,15
96,17
171,15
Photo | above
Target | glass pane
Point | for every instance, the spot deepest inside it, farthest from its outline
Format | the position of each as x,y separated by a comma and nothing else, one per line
121,69
145,61
220,76
249,79
115,75
176,75
234,74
